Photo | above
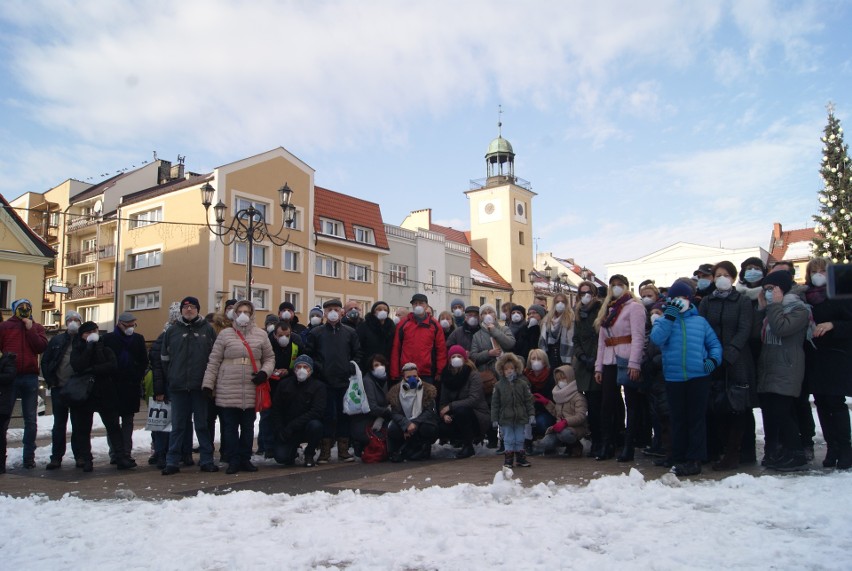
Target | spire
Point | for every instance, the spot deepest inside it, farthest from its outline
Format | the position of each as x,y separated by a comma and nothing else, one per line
499,120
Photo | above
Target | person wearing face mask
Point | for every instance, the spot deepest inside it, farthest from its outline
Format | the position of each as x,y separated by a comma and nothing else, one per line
315,317
414,424
352,314
298,408
649,295
704,285
270,322
132,354
516,319
447,323
286,347
463,411
56,368
223,320
287,312
419,340
512,408
585,353
375,390
241,359
89,354
375,334
621,342
27,339
827,364
333,346
457,310
730,314
569,409
691,352
540,376
464,335
557,332
491,341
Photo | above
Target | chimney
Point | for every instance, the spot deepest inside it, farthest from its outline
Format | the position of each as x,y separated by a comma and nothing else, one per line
776,230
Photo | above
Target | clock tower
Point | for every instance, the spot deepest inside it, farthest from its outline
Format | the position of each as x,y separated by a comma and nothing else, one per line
501,219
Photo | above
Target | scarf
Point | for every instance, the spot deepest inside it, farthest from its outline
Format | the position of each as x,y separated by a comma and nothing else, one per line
790,302
717,293
614,311
537,380
455,380
815,295
561,396
749,292
124,359
554,333
411,400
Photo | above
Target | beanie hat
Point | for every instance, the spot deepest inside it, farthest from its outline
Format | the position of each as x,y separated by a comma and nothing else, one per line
21,301
456,302
71,314
305,360
270,319
519,308
315,310
682,288
486,306
126,317
781,278
286,305
189,300
457,350
88,326
539,309
230,302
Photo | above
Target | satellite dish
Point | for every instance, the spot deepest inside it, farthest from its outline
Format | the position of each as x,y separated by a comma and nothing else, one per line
99,207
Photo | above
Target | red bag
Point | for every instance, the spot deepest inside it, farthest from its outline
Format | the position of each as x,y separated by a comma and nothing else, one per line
262,392
376,449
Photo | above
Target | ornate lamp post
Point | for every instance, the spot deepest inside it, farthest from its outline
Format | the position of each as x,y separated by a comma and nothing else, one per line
248,225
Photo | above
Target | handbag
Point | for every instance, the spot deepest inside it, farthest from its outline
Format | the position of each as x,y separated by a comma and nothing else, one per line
354,399
623,378
376,449
159,416
729,397
78,388
262,392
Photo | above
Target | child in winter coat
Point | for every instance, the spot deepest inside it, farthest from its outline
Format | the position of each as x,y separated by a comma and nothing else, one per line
512,408
569,408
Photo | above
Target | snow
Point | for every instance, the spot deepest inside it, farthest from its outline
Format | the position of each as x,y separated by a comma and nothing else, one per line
478,276
798,251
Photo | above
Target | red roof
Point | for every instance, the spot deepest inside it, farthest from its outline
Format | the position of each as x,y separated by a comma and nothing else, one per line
450,234
351,212
781,240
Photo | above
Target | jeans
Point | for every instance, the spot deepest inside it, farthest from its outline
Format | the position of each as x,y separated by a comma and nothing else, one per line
26,388
59,438
543,421
513,437
237,433
285,451
186,407
688,404
336,423
554,439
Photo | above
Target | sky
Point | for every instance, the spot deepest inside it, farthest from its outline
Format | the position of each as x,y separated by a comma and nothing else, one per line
638,124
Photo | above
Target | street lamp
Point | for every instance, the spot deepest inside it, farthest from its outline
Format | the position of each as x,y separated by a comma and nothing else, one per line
248,225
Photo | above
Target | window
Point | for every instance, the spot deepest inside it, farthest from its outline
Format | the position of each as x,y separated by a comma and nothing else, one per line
521,238
397,274
87,278
47,318
498,303
292,261
296,224
144,259
328,267
359,273
456,284
145,300
245,203
259,254
50,282
331,227
364,235
146,217
259,296
5,293
430,285
89,313
88,244
481,301
523,276
294,298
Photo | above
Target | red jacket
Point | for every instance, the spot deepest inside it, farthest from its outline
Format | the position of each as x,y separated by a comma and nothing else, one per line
420,343
27,344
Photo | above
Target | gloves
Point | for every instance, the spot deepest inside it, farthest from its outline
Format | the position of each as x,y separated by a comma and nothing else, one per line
532,421
259,378
560,425
377,424
540,399
208,392
709,365
673,308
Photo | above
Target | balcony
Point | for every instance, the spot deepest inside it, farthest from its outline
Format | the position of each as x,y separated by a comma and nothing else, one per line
106,252
98,289
48,232
77,222
79,257
50,268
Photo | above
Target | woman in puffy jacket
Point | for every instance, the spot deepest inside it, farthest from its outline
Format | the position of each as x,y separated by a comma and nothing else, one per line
231,376
570,409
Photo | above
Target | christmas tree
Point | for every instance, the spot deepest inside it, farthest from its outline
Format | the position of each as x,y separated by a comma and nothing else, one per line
834,221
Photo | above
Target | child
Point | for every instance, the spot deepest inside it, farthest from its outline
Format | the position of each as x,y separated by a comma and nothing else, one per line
512,408
569,407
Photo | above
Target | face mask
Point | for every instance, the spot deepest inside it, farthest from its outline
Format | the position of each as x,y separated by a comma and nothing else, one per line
129,331
769,296
286,315
333,316
536,365
379,372
270,328
488,319
586,299
472,321
396,319
818,280
302,375
560,307
617,291
685,304
647,301
563,384
723,283
353,315
703,283
315,320
510,376
73,326
456,362
654,318
412,382
93,338
284,340
243,319
517,318
382,315
419,310
457,312
502,316
230,314
533,322
445,324
752,275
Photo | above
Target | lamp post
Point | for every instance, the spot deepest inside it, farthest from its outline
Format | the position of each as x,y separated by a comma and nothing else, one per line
248,225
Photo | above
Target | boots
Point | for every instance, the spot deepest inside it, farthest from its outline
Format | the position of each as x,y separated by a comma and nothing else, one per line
844,458
54,464
522,459
731,459
309,457
325,451
3,465
343,450
831,456
466,452
606,451
508,459
528,446
627,452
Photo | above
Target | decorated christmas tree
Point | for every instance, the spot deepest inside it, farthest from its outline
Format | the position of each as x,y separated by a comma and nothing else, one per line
834,221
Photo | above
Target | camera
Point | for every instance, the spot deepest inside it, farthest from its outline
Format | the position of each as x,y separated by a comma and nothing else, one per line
839,281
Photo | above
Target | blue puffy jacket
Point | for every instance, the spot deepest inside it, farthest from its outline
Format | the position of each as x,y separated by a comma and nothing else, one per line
686,341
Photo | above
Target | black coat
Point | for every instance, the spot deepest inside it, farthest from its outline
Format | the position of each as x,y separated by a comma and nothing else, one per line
526,339
52,357
586,347
331,348
160,385
731,319
375,337
464,389
98,359
8,371
295,404
828,367
132,360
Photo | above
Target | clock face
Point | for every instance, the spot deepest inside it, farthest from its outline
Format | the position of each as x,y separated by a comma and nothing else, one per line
489,208
520,209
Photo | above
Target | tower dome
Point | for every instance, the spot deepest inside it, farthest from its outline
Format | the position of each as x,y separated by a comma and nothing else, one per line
500,158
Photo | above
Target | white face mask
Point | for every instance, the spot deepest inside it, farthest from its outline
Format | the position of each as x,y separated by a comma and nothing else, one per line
382,315
333,316
532,322
617,291
586,299
536,365
456,362
458,312
286,315
93,337
488,319
284,340
242,319
655,317
302,374
647,301
379,371
396,319
129,331
502,316
445,324
818,280
230,314
517,318
472,321
560,307
723,283
562,384
685,304
270,328
419,310
73,326
316,320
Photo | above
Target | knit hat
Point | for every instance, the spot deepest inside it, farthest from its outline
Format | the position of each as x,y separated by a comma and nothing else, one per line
189,300
539,309
419,297
781,278
21,301
486,306
682,288
457,350
332,303
305,360
409,367
518,308
230,302
270,319
456,302
286,305
315,310
88,326
126,317
71,314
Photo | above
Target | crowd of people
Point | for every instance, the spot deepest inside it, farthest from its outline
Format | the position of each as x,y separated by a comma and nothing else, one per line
676,372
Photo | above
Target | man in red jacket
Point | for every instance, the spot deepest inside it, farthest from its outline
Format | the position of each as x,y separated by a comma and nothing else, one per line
26,338
419,339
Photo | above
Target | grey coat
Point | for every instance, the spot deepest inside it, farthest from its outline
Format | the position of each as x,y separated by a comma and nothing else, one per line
184,353
781,367
512,402
481,345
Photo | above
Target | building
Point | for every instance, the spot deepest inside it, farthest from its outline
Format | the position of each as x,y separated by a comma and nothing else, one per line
24,256
792,245
559,275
